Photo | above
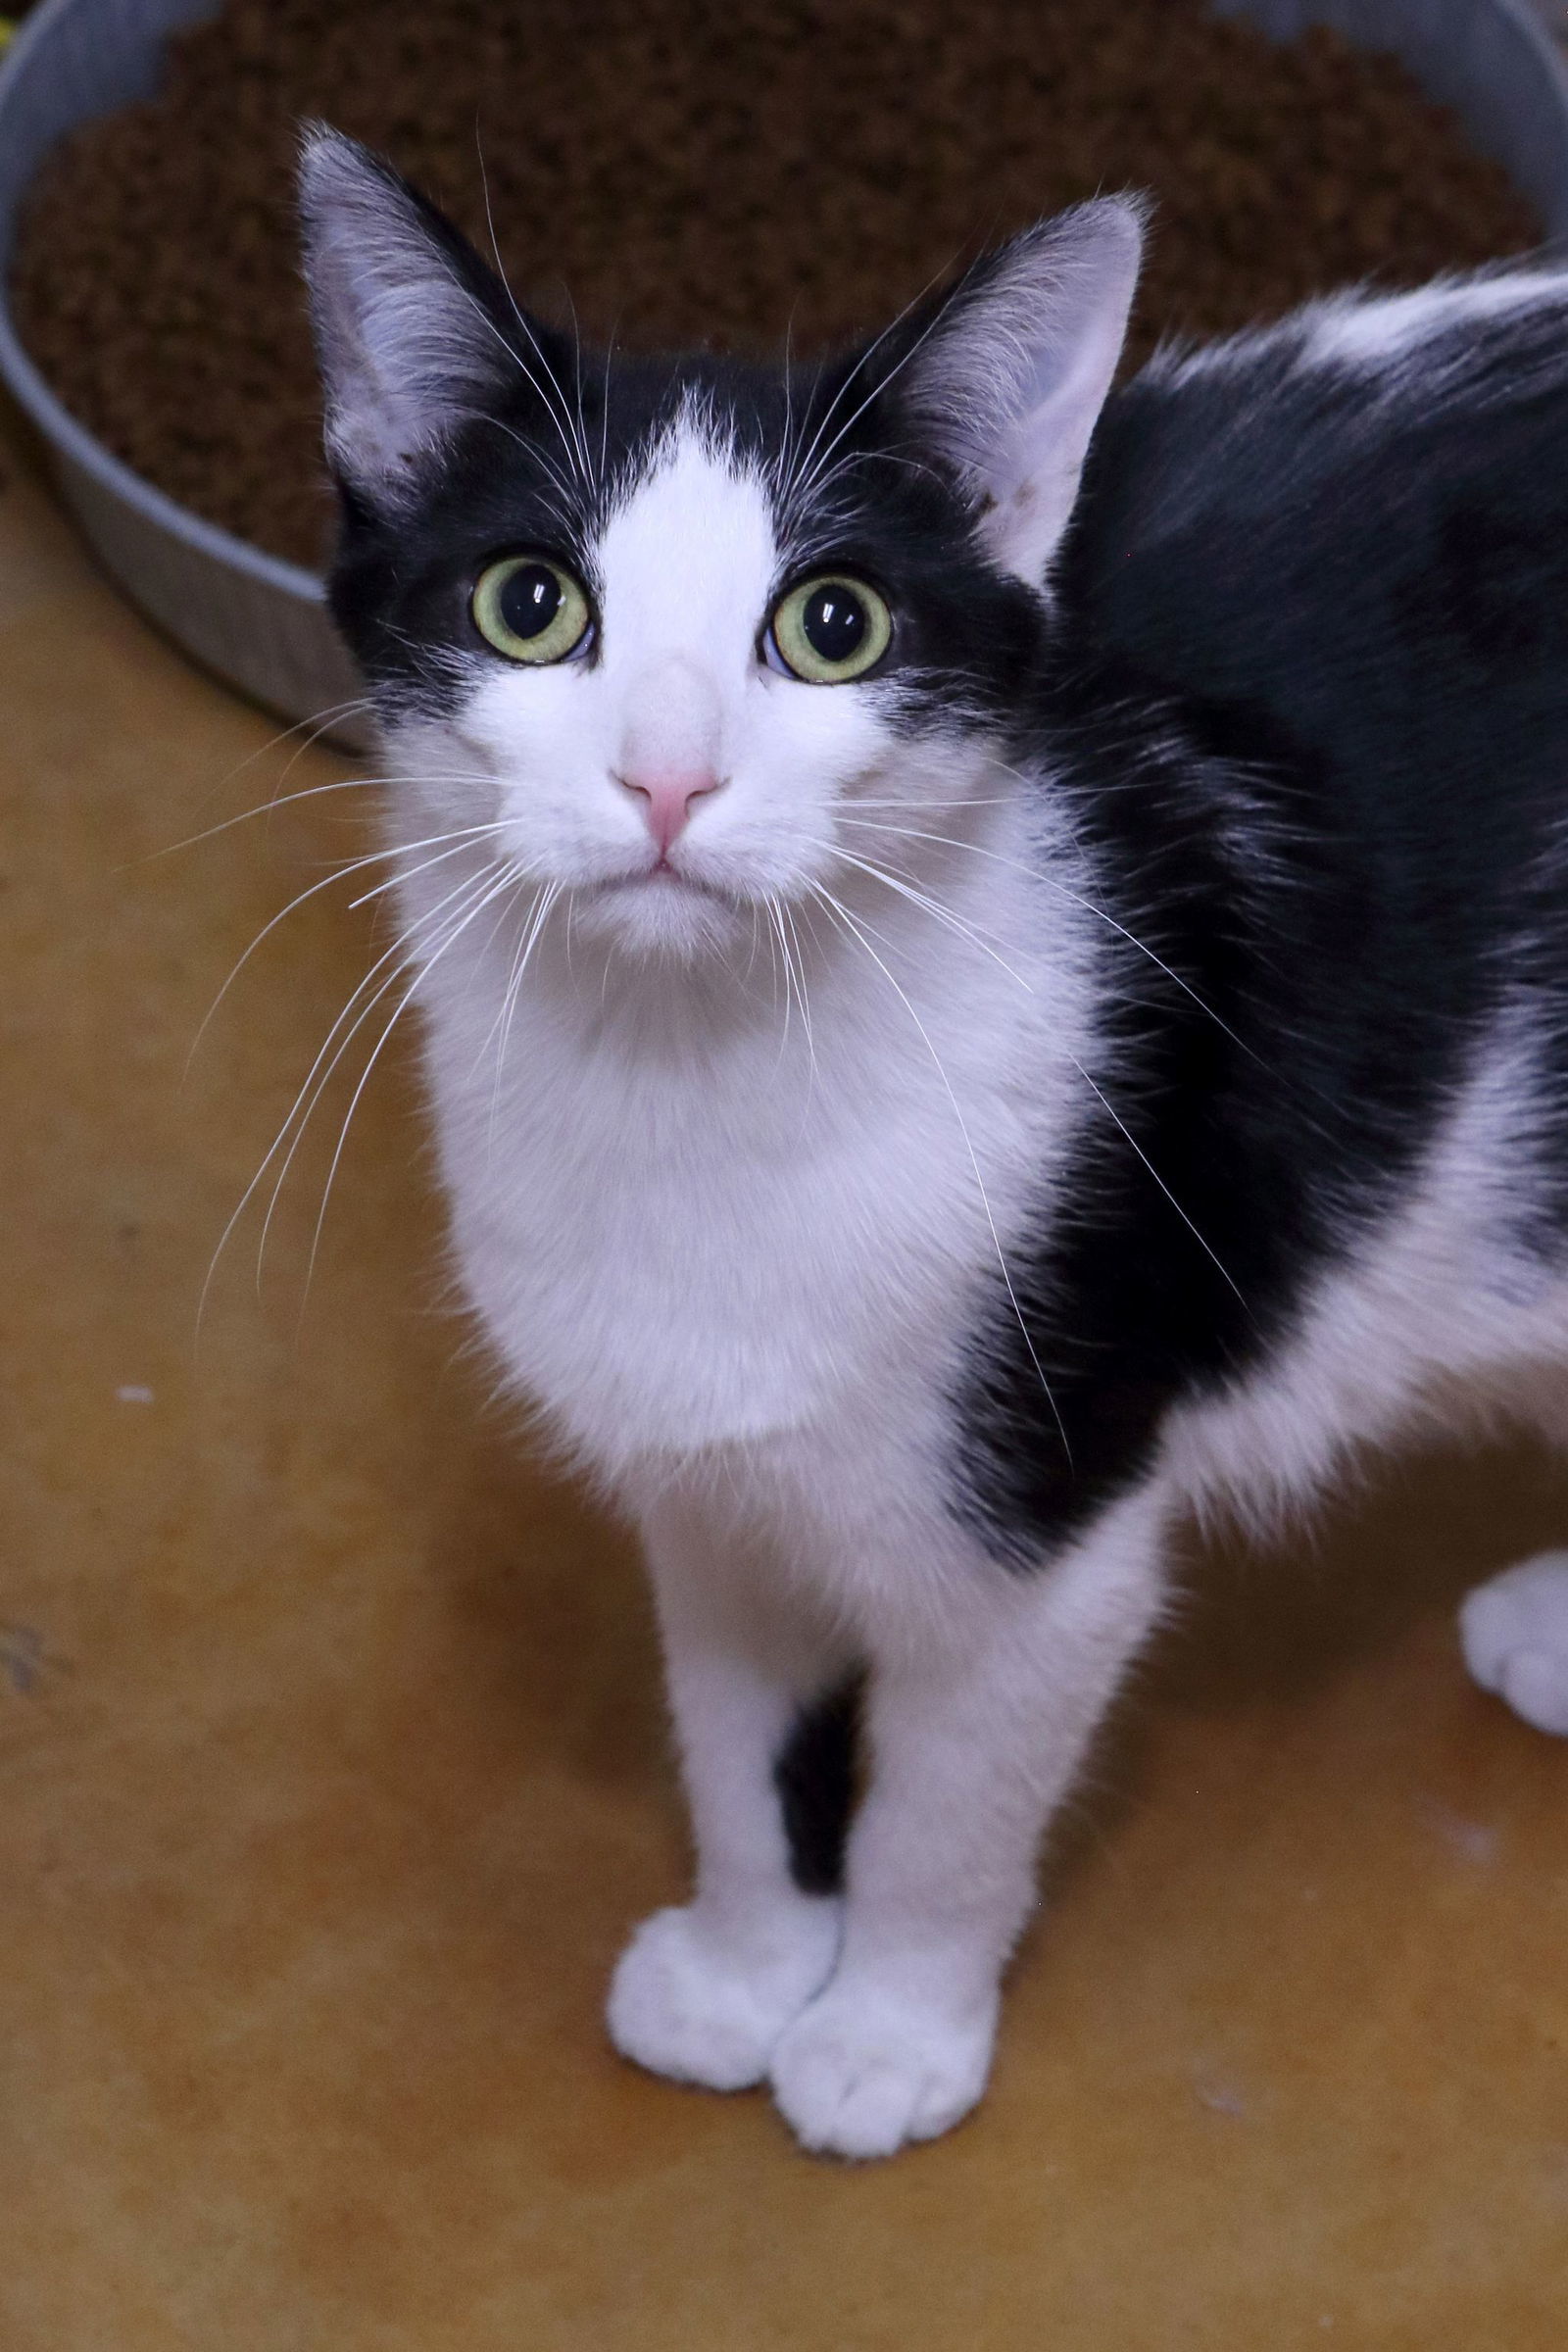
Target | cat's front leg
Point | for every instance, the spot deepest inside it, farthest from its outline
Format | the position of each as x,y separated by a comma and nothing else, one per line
705,1990
980,1709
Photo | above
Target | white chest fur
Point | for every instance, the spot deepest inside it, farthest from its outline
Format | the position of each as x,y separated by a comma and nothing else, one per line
685,1223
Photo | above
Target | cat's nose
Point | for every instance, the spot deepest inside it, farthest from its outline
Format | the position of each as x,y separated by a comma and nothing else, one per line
667,794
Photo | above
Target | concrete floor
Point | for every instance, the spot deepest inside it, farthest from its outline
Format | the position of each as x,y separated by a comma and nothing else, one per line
334,1772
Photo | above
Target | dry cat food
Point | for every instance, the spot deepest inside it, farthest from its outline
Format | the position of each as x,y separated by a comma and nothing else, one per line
705,169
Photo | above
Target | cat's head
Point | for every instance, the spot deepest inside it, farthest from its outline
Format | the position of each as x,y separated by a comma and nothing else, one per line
668,624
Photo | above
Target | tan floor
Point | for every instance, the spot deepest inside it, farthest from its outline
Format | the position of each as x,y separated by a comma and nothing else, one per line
334,1769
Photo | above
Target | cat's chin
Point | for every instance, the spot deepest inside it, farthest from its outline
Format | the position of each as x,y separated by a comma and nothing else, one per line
663,916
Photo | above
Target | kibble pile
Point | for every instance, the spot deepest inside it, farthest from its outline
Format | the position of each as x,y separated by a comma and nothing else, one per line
703,170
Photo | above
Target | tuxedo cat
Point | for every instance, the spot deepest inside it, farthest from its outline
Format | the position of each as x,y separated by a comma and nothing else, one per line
993,956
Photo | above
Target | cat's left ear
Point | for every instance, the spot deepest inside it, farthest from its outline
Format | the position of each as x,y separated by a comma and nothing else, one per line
1006,383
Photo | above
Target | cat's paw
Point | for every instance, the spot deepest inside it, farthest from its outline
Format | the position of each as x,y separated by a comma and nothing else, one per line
859,2075
1514,1634
685,2003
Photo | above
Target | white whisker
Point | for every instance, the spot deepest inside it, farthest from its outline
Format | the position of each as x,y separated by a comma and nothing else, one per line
399,947
426,963
836,908
568,419
262,808
797,485
339,873
942,913
314,725
1075,899
1133,1143
527,943
932,907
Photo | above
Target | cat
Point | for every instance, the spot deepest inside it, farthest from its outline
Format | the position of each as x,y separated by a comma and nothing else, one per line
992,954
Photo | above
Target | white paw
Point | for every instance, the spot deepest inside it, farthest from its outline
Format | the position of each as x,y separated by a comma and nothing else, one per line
1514,1634
686,2003
858,2076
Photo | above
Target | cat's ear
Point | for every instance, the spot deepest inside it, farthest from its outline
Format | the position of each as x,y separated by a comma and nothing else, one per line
1005,385
405,315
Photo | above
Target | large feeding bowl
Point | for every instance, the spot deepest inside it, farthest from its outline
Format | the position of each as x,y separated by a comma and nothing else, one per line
262,624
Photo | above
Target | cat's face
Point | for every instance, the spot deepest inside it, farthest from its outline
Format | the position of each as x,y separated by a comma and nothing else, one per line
714,680
692,638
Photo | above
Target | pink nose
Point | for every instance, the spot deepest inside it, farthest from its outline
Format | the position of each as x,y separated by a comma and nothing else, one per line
667,796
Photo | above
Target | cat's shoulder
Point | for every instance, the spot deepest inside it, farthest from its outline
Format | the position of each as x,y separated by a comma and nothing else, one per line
1476,366
1356,521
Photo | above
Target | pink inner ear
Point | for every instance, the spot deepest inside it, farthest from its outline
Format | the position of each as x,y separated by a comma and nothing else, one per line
1014,375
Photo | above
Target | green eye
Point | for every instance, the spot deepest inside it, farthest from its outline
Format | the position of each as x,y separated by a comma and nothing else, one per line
530,609
830,630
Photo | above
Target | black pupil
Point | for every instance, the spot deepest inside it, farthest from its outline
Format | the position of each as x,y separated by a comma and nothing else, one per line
834,622
529,600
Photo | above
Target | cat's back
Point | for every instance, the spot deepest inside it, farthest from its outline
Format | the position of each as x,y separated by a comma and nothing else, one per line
1348,537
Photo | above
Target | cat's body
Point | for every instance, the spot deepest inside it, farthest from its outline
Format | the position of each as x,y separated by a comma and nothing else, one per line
914,1132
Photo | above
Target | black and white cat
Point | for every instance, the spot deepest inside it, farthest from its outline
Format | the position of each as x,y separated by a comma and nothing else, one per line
993,958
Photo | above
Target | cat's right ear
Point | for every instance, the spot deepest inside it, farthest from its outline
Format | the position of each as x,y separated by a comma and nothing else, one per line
406,319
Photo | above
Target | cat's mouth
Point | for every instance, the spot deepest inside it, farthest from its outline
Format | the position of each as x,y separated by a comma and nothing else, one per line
664,878
665,908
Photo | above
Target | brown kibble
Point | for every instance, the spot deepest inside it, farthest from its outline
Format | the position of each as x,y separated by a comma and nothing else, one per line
702,171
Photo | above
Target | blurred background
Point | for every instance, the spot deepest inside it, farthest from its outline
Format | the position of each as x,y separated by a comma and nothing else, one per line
335,1766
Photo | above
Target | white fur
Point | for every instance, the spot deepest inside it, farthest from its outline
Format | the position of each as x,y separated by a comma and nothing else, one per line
1430,1320
1378,335
727,1240
687,2003
1514,1631
1381,331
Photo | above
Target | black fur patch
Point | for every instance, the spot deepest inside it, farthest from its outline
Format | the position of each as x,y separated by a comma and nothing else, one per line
816,1779
1309,697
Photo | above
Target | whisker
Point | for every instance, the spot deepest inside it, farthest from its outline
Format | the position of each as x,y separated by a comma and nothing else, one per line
303,1110
962,800
752,954
319,721
339,873
465,839
835,908
787,915
936,910
932,907
776,924
401,955
578,422
1132,1141
398,948
426,965
508,1003
1075,899
262,808
772,946
798,482
327,719
604,409
567,422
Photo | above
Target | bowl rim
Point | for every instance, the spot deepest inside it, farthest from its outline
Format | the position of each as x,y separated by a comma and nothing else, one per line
82,448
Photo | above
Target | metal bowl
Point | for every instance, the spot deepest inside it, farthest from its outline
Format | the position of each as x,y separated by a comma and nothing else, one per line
262,624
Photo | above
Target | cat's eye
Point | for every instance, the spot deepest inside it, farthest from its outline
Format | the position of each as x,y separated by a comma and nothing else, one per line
531,610
829,630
